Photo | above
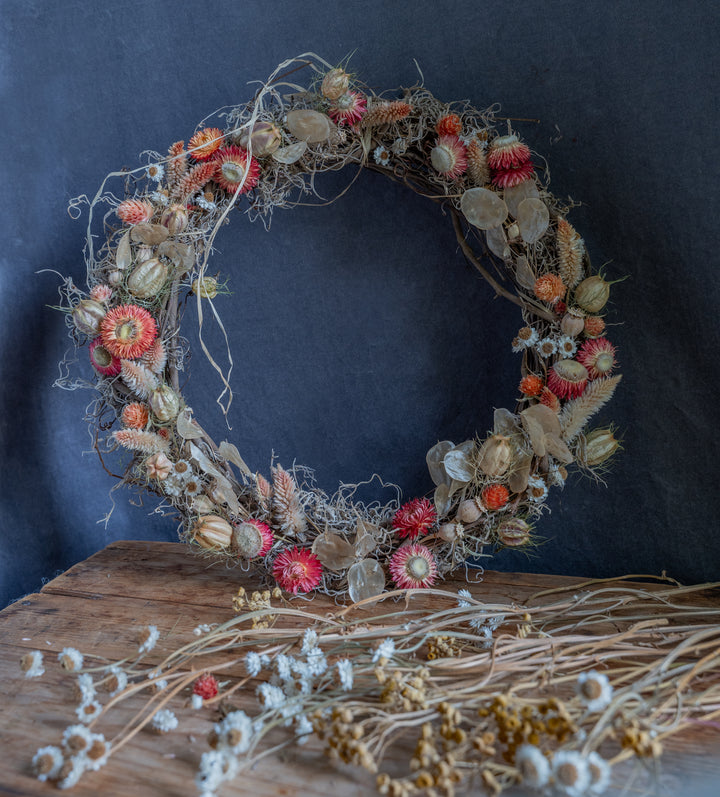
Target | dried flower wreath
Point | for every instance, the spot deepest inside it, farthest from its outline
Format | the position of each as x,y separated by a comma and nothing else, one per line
268,153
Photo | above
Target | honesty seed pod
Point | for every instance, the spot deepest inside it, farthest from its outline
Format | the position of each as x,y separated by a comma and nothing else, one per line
87,316
165,403
148,278
513,533
600,445
212,532
592,293
175,218
495,456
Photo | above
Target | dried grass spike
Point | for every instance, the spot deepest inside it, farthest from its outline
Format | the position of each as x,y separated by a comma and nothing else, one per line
286,505
263,491
136,440
155,358
571,250
194,180
576,413
477,168
138,378
386,113
176,165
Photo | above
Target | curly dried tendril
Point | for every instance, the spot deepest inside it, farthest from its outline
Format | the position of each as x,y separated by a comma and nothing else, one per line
266,154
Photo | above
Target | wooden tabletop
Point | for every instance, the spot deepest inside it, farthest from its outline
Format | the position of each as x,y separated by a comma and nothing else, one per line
99,605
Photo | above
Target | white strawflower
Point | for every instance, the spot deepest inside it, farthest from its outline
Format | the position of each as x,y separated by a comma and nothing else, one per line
32,664
164,721
546,347
148,639
571,773
155,171
70,659
382,156
384,650
600,771
532,766
566,346
526,338
594,689
345,673
536,490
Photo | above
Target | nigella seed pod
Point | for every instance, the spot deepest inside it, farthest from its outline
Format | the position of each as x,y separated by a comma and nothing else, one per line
205,288
165,403
513,533
495,456
592,294
175,218
148,278
212,532
264,139
87,315
600,445
573,322
335,84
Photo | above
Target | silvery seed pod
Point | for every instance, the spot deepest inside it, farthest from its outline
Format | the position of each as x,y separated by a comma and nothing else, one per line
335,84
592,294
148,278
495,456
175,218
87,316
600,445
165,403
513,533
264,139
212,532
573,322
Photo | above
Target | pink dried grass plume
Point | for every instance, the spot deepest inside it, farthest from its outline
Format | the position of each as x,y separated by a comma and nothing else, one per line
477,167
155,358
413,567
177,163
297,570
386,113
414,518
286,503
195,180
138,378
136,440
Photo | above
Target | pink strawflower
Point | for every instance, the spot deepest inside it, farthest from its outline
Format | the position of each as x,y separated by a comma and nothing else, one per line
414,518
348,109
101,293
206,686
598,356
413,567
297,570
135,211
252,538
102,360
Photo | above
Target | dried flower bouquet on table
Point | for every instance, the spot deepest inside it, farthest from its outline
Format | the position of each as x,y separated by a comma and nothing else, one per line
489,491
567,694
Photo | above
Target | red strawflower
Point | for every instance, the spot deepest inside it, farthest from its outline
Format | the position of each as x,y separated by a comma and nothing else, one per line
495,496
414,518
507,178
598,356
348,108
104,362
231,166
297,570
206,686
412,567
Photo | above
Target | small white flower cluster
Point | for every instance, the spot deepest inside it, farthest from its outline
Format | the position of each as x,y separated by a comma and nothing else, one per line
594,689
164,721
70,659
32,664
571,773
204,628
385,650
484,625
234,736
203,203
149,639
180,479
82,751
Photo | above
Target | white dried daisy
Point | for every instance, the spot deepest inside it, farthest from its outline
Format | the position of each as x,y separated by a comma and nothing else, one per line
173,486
384,650
32,664
99,753
532,765
155,171
76,739
148,639
71,771
546,347
47,763
600,772
566,346
85,687
70,659
164,721
571,773
216,766
536,490
205,204
382,156
88,711
182,470
525,339
345,674
235,732
594,689
159,198
192,488
271,696
117,681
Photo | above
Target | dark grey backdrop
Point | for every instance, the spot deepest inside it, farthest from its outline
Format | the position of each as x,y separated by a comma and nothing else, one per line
360,336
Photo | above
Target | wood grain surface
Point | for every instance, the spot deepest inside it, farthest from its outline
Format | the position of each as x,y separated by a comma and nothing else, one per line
99,605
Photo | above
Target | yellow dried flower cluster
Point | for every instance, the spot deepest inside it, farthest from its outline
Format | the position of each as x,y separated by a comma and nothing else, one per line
640,741
443,647
257,601
405,691
344,738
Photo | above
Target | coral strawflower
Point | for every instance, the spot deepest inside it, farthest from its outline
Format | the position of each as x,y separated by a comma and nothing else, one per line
414,518
205,143
127,331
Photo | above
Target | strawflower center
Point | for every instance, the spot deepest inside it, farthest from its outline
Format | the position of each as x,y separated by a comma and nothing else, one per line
126,332
232,172
417,567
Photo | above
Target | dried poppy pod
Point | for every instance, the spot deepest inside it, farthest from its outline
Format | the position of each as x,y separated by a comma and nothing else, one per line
175,218
470,511
264,139
212,532
573,322
87,315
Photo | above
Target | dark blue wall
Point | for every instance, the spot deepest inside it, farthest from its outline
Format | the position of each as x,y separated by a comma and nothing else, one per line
360,336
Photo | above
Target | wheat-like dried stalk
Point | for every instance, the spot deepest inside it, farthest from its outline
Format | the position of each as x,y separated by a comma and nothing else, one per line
176,164
263,492
286,503
194,180
575,414
477,167
571,250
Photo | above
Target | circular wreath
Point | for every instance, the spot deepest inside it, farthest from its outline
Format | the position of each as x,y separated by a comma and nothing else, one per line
488,491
